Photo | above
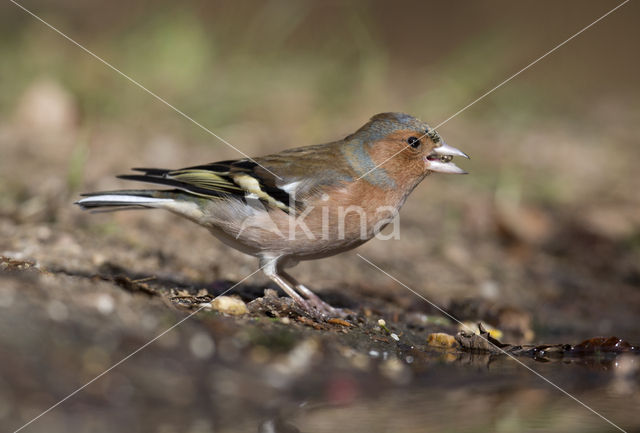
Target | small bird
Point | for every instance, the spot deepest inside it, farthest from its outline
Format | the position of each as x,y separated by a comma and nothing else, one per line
304,203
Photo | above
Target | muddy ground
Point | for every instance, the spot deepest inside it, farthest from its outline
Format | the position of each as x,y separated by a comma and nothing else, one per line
77,304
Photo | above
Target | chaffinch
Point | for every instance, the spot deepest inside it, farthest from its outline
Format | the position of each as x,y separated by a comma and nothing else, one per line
299,204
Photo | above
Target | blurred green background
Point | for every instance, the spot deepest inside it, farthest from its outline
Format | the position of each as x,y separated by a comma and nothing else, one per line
270,75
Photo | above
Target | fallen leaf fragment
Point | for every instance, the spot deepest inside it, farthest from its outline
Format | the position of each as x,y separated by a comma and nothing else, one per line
482,342
603,344
494,332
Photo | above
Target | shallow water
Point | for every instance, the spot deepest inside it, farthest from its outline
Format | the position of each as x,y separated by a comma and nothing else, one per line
502,396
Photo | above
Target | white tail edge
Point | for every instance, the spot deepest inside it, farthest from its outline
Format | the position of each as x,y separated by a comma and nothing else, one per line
108,199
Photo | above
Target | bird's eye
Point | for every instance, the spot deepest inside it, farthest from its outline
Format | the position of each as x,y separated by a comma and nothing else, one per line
413,142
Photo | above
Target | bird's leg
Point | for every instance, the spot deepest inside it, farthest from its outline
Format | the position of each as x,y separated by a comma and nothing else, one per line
270,269
313,299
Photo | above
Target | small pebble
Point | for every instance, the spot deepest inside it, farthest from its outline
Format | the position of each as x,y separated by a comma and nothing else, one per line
229,305
440,339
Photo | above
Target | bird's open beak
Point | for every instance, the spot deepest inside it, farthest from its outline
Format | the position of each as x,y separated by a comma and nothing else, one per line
440,159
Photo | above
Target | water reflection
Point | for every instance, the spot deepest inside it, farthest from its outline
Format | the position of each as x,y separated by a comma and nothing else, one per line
499,395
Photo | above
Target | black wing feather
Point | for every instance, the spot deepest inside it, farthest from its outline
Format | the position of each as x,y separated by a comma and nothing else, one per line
218,179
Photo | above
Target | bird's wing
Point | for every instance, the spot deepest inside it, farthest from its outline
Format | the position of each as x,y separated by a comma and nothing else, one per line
283,180
237,179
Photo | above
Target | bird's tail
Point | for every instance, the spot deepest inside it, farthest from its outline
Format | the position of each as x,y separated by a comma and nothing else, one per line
126,199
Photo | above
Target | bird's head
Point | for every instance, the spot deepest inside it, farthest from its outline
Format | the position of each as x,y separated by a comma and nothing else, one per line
401,146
